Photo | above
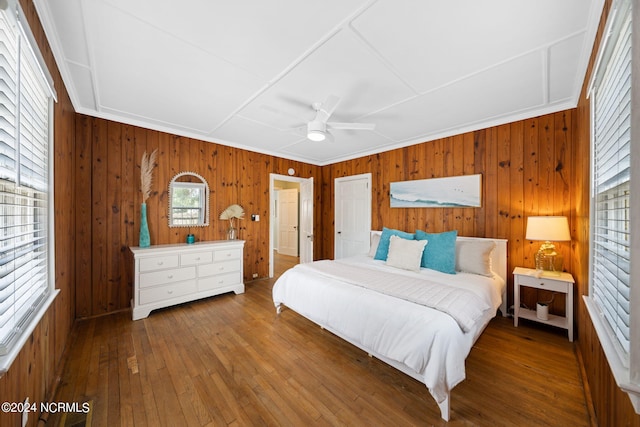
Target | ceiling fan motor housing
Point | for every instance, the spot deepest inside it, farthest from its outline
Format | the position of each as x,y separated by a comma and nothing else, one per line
316,130
316,126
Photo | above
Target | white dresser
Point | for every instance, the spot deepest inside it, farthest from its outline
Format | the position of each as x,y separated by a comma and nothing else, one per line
166,275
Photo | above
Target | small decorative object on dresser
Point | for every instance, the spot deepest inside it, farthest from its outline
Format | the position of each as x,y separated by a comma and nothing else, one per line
562,283
167,275
231,213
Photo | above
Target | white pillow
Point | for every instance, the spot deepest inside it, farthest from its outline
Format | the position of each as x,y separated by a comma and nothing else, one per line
405,254
375,240
474,257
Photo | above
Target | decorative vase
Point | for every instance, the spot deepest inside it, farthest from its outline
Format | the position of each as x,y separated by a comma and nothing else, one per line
145,239
232,232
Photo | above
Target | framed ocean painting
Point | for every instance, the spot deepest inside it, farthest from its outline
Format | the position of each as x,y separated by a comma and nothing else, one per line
450,192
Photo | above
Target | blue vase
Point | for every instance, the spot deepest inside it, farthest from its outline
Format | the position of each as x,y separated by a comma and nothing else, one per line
145,239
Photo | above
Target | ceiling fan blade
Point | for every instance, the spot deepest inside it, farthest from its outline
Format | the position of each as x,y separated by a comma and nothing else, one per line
329,138
354,126
300,130
283,113
327,108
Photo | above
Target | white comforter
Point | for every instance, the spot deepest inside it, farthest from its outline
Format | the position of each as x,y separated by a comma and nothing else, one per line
428,342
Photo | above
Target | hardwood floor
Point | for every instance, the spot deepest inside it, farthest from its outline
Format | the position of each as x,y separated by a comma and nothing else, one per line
281,263
230,360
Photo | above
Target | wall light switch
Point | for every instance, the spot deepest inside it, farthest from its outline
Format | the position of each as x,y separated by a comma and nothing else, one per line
255,217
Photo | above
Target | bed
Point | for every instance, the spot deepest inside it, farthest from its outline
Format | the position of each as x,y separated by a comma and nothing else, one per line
421,321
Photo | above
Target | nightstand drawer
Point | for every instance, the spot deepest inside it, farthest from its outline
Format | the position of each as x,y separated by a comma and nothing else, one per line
543,283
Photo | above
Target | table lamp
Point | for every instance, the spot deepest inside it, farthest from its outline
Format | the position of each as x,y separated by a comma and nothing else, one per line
548,229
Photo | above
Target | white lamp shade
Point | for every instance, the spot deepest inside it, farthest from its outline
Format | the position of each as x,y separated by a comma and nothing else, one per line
549,228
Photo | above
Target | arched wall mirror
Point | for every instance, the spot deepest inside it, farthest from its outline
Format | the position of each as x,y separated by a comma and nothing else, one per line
188,200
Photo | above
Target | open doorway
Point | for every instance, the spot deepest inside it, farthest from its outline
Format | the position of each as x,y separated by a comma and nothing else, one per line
290,222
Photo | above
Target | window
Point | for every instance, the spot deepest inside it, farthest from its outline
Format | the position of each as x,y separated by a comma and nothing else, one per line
187,203
611,298
26,232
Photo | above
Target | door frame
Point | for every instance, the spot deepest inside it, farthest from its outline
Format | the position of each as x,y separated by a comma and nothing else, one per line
273,177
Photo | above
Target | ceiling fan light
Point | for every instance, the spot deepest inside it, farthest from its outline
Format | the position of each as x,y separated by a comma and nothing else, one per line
316,135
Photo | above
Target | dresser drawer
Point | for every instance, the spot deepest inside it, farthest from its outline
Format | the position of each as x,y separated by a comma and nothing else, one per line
162,293
219,268
225,254
155,278
196,258
542,283
158,262
220,281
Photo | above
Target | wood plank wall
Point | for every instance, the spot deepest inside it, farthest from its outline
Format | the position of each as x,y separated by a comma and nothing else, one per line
526,170
35,371
612,406
107,174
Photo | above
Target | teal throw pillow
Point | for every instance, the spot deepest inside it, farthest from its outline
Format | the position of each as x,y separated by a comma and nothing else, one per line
440,252
385,238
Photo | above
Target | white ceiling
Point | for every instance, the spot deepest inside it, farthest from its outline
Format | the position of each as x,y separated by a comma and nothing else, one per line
244,73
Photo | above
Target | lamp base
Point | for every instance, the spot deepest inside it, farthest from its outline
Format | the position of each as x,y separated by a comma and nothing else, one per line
549,264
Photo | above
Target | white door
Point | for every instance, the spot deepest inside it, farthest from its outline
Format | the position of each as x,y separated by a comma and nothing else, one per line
288,222
306,220
352,215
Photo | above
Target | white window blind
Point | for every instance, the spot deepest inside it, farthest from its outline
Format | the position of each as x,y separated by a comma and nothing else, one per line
25,104
614,298
611,184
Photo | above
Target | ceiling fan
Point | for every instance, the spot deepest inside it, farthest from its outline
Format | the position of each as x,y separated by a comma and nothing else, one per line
318,128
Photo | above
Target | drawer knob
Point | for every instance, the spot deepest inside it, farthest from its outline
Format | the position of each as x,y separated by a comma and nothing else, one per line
160,262
198,259
170,276
169,292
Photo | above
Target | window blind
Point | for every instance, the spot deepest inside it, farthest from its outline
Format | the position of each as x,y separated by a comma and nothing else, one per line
612,185
24,175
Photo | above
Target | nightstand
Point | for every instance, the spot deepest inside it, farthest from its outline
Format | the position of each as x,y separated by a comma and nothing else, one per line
563,283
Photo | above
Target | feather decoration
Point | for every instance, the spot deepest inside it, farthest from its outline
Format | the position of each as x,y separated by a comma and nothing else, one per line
146,173
233,211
